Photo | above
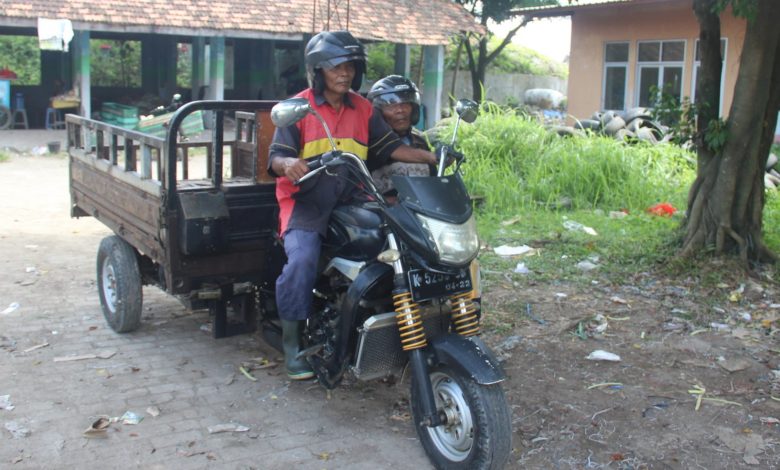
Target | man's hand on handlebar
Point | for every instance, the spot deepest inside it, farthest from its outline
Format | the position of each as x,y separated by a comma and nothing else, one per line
294,168
452,155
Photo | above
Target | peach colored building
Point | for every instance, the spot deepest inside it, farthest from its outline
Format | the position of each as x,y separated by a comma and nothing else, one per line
620,49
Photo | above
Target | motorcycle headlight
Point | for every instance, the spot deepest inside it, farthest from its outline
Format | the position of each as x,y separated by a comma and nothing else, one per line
457,244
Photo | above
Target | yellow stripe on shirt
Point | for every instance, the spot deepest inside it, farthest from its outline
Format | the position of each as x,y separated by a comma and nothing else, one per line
320,146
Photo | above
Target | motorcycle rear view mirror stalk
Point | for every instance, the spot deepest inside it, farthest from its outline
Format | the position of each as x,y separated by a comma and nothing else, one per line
288,112
467,110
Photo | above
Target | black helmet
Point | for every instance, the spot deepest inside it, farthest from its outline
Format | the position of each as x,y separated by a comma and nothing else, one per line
329,49
396,89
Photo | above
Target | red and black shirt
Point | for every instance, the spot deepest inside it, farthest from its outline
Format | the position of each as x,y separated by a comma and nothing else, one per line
356,128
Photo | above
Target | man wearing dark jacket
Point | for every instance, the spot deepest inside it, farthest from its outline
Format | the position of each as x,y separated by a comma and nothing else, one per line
335,64
398,100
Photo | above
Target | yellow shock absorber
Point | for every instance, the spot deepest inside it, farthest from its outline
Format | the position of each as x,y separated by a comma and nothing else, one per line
410,327
464,315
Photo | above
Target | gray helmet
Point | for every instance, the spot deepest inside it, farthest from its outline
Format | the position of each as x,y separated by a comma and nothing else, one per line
396,89
329,49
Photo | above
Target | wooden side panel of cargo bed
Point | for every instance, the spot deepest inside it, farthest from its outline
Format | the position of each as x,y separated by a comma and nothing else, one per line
264,135
125,203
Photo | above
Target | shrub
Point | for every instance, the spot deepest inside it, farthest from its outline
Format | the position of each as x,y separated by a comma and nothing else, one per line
515,163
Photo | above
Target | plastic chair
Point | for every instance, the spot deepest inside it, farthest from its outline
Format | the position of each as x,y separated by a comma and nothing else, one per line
54,119
19,111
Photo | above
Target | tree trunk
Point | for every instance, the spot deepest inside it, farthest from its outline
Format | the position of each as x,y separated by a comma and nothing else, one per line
707,99
726,201
455,71
477,66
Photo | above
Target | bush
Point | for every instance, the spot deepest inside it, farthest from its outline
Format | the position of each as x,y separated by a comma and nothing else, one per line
515,163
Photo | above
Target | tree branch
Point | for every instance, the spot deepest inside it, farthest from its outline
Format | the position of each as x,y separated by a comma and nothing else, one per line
470,54
506,40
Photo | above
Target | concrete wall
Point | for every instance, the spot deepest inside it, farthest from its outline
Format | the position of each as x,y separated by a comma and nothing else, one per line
593,27
501,88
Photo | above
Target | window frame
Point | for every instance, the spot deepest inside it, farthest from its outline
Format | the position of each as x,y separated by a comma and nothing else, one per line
661,65
608,65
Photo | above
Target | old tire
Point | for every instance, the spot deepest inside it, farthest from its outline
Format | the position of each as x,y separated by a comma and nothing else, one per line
119,284
478,435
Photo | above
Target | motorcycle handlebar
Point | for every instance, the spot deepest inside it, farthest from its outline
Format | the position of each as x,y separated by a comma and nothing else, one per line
315,166
447,155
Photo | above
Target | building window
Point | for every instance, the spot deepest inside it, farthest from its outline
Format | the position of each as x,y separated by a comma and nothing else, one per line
660,67
615,76
697,66
115,63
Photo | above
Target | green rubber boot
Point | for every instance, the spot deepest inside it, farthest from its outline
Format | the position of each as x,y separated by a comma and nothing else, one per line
297,369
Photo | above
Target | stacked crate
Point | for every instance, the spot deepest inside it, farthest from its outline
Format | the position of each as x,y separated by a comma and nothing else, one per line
158,125
119,115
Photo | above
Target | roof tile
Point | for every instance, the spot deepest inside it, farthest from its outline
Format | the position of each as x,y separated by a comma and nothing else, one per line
426,22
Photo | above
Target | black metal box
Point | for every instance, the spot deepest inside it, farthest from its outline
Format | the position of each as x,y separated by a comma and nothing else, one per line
205,223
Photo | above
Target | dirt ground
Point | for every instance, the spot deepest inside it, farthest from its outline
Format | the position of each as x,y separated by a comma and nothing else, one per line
684,394
643,411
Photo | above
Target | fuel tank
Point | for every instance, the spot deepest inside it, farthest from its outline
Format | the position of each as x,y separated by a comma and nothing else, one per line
354,233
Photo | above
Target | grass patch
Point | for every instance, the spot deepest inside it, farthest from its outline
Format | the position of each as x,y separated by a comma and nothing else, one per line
533,184
518,165
621,248
526,173
4,157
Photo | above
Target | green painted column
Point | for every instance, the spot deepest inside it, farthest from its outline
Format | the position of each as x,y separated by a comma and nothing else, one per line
198,72
402,60
263,70
216,68
433,83
81,76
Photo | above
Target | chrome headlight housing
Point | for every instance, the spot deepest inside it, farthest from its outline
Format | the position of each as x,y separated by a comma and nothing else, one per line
456,244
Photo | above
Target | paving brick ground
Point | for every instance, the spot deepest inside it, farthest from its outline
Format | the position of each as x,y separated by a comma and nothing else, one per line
47,267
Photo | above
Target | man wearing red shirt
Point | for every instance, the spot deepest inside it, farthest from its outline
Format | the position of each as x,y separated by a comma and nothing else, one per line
335,63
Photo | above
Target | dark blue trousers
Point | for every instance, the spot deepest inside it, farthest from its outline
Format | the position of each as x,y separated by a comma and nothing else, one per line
295,285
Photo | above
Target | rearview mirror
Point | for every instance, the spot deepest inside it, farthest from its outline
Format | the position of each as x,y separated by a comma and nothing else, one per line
288,112
467,110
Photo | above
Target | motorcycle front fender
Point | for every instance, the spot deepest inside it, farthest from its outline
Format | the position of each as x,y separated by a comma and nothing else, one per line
470,356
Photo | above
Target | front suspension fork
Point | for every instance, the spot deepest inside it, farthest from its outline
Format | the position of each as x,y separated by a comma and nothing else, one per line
413,340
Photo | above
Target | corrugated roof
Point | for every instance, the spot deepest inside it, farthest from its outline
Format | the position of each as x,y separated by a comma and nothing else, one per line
567,7
427,22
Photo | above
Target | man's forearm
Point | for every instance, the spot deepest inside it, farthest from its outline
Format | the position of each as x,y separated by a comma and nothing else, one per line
292,168
407,154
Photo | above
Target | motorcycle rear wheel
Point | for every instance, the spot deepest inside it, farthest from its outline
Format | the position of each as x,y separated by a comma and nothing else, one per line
119,284
478,432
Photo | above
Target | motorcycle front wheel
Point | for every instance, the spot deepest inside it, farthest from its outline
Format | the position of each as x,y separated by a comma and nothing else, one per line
477,434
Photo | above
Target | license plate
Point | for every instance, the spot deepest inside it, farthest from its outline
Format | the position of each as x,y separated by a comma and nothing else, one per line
427,285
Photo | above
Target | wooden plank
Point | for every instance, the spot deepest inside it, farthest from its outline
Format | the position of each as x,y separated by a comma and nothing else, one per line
128,211
114,148
154,188
265,133
140,208
146,162
130,164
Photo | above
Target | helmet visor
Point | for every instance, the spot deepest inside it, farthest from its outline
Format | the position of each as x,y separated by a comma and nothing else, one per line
334,62
399,96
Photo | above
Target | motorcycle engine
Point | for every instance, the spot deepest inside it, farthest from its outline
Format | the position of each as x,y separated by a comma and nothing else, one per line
322,337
